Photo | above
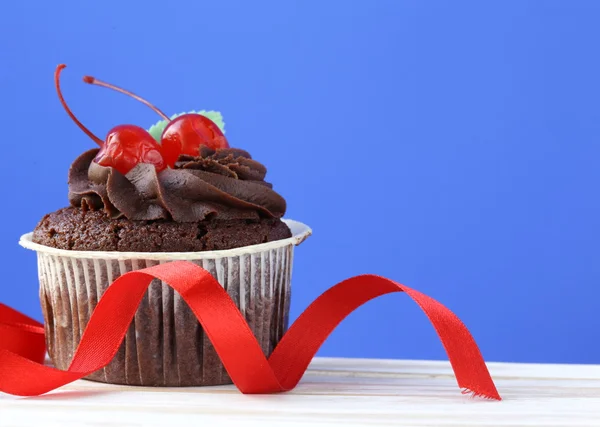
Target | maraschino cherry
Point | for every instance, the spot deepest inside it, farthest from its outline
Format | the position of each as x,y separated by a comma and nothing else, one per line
188,132
125,145
184,134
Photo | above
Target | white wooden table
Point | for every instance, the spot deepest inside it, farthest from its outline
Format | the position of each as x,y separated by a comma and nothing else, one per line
344,392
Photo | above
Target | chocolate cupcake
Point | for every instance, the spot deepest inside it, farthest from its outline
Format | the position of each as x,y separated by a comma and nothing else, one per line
185,196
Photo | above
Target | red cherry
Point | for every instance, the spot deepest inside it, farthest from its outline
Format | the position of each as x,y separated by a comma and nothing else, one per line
183,135
187,133
128,145
170,151
125,145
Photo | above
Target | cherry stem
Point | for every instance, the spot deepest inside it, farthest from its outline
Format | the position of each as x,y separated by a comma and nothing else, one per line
68,110
94,81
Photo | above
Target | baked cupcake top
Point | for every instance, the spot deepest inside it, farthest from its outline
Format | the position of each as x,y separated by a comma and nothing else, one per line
182,169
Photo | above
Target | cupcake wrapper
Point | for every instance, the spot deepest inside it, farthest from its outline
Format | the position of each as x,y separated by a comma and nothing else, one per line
165,345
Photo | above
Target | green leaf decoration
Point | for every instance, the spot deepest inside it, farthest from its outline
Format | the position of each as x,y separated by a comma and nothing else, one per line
157,129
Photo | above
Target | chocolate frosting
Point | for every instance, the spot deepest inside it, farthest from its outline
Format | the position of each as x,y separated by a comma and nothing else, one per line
226,184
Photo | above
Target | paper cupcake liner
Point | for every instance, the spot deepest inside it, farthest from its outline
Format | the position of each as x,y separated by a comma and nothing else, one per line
165,345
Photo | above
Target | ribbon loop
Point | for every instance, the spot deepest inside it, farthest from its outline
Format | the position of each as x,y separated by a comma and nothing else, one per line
22,346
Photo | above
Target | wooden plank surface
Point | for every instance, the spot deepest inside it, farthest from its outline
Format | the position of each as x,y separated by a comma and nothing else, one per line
340,392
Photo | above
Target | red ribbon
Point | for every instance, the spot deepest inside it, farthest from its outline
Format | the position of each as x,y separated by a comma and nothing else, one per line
22,346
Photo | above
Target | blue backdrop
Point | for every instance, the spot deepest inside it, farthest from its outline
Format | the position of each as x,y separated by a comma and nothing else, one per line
452,146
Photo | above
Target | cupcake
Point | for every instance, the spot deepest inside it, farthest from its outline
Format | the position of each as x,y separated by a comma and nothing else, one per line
178,192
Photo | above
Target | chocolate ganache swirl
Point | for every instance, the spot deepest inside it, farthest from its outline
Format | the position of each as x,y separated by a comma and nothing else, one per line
224,184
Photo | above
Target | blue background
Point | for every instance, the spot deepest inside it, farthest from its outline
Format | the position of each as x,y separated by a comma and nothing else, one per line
452,146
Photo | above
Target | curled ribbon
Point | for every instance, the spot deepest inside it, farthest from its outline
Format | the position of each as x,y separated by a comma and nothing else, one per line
22,346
